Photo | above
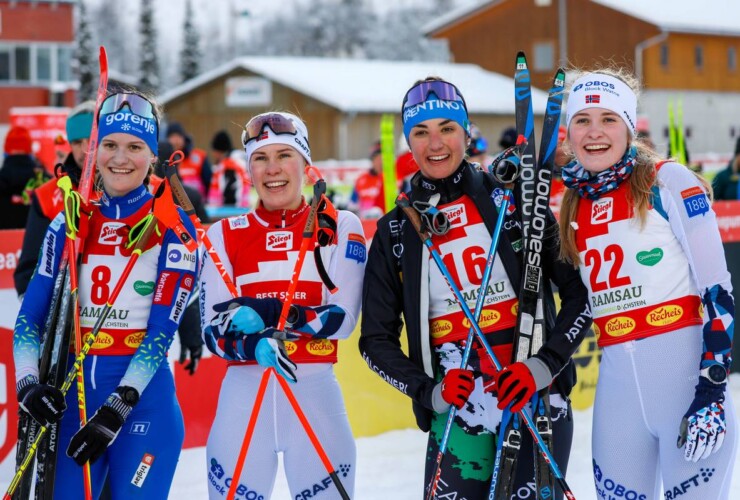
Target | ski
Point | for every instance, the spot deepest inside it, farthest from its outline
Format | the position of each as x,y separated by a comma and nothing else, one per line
530,330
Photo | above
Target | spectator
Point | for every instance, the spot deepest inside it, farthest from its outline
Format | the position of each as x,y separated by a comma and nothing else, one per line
18,172
230,183
195,170
477,147
508,138
368,193
725,183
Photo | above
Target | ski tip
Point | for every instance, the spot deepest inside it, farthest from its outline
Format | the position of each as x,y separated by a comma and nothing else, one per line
521,61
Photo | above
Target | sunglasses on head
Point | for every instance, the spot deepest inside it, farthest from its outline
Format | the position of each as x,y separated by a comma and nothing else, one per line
419,93
137,104
278,123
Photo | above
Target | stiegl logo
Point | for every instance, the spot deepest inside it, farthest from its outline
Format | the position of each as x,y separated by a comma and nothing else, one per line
602,211
279,240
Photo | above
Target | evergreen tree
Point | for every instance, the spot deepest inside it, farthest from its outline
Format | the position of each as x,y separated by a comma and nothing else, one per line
84,58
190,55
114,34
148,59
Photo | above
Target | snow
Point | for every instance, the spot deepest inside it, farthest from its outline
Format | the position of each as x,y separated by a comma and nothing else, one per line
353,85
391,465
719,17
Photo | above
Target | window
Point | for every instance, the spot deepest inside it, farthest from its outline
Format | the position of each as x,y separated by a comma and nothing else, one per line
699,57
23,64
43,64
664,55
64,63
544,56
5,64
732,59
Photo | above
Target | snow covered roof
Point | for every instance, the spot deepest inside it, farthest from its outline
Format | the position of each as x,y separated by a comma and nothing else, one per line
371,86
719,17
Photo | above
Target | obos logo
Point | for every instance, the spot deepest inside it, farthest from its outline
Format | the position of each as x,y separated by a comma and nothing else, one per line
664,315
109,233
606,85
278,241
456,215
290,347
619,326
487,318
440,328
320,347
602,211
134,340
102,341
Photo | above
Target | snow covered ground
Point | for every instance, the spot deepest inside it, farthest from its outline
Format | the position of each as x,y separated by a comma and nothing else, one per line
391,466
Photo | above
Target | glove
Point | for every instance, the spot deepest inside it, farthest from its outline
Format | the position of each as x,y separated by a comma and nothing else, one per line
90,442
513,385
456,387
248,315
703,427
43,402
196,352
270,353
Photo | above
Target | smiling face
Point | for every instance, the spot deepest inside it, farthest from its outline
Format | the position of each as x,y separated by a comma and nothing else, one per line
123,162
438,146
598,137
277,175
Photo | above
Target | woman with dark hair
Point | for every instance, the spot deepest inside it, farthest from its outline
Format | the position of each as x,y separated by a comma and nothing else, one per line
645,239
134,431
401,280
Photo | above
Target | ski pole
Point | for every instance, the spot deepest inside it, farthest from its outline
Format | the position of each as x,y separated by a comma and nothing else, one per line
404,203
506,172
138,249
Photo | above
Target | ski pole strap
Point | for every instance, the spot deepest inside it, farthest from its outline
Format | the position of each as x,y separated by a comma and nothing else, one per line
139,230
72,202
432,218
403,202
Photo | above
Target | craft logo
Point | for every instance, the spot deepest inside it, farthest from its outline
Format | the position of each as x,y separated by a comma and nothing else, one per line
279,241
664,315
440,328
456,215
602,211
109,233
619,326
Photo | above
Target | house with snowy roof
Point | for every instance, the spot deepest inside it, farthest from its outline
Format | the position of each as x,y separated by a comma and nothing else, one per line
681,50
341,100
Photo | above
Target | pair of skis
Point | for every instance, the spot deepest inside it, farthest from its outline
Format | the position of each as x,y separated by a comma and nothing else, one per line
536,175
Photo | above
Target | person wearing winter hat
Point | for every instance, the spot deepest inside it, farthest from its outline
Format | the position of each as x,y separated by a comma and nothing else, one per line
19,174
195,169
367,194
643,234
478,147
230,183
508,138
726,183
46,200
259,250
403,287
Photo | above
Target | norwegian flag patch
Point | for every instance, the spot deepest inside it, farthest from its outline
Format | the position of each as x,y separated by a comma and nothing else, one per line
593,99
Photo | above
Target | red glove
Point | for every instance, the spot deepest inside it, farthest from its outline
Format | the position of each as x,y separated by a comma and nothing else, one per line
513,385
457,385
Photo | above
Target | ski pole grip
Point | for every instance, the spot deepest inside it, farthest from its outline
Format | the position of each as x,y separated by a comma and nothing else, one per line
403,202
170,171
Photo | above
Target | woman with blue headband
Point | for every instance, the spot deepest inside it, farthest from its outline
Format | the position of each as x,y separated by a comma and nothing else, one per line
135,430
645,239
401,280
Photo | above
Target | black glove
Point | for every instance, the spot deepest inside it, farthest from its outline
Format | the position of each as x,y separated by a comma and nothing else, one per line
196,352
101,430
190,339
43,402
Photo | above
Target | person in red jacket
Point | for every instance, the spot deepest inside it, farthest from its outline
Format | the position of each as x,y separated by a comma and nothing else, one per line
368,193
230,183
195,169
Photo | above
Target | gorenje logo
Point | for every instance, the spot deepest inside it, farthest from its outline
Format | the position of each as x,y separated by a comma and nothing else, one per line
131,118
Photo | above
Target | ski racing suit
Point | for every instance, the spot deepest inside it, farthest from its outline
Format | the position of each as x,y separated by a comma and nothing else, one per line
130,350
646,284
259,251
402,278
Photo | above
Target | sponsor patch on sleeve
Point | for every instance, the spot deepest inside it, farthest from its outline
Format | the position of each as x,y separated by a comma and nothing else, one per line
695,201
238,222
142,470
46,262
165,288
178,257
356,248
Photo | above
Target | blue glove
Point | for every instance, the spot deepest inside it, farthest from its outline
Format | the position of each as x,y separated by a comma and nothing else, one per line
703,427
246,315
270,353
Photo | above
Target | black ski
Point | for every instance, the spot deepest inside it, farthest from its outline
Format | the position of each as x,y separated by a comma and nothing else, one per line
530,330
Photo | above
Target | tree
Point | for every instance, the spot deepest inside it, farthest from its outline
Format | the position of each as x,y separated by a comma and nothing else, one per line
84,58
190,55
148,60
115,35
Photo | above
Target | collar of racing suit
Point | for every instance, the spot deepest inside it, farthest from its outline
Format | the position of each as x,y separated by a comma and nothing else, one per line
450,188
281,218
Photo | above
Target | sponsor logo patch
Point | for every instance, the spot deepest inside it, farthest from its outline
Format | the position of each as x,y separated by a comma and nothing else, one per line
278,241
664,315
356,249
165,288
440,328
180,303
46,266
142,470
651,257
320,347
456,215
178,257
602,211
109,233
143,288
695,201
102,341
619,326
134,340
139,428
239,222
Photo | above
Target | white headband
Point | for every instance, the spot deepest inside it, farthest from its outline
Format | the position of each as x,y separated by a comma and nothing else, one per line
299,141
595,90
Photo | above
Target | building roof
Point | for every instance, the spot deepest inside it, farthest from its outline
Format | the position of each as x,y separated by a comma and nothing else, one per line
718,17
370,86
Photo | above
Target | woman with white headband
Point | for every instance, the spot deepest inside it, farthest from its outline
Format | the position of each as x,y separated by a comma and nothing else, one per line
645,238
259,251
